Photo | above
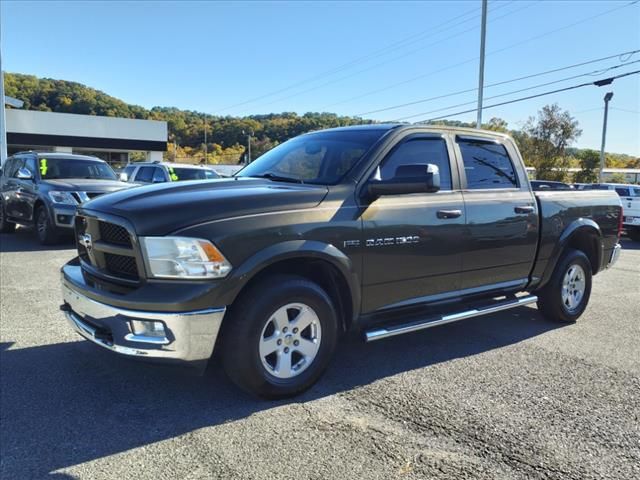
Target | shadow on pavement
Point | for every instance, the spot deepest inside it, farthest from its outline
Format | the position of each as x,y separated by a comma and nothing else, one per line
628,244
69,403
24,240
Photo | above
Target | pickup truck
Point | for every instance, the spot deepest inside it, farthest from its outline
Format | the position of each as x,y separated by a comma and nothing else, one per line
383,229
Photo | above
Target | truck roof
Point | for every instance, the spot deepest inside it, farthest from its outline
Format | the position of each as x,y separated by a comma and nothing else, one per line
408,126
166,164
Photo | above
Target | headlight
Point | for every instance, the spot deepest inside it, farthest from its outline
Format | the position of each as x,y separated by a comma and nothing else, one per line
62,197
183,257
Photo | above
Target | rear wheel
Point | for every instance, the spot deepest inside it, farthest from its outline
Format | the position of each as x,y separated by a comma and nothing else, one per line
5,226
45,230
279,337
567,294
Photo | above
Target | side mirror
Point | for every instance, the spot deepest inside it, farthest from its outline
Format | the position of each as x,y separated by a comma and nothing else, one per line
24,174
422,178
124,177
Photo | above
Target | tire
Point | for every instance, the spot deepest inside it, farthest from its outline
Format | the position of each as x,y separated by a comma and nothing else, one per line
566,296
634,234
45,230
5,226
264,320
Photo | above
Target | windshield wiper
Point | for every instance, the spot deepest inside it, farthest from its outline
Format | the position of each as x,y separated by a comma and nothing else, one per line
278,178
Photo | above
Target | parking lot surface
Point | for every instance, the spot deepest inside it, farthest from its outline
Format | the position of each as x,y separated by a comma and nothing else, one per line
506,396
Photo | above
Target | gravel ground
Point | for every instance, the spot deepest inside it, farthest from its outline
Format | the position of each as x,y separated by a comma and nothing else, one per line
506,396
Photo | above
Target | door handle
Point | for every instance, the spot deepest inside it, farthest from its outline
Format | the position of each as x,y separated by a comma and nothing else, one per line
524,209
449,213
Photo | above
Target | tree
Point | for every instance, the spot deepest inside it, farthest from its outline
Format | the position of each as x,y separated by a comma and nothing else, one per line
545,141
589,166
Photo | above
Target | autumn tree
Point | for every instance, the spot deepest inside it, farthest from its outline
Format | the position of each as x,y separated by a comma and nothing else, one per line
545,140
589,161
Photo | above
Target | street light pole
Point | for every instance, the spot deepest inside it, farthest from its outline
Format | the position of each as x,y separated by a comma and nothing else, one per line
607,99
483,35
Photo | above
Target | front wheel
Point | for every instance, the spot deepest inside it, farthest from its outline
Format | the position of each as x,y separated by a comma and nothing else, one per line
567,294
5,226
45,230
279,337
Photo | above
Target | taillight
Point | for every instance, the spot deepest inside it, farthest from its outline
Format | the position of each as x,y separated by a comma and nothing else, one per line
620,222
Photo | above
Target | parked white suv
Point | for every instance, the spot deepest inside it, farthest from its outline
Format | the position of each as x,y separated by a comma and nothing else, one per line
630,197
159,172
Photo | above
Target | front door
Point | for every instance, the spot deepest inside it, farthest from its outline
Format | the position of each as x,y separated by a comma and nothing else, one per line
412,243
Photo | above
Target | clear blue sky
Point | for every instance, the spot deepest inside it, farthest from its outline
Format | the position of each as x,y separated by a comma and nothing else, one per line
323,55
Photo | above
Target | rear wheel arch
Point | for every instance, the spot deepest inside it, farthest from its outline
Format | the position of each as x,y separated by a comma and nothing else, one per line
582,234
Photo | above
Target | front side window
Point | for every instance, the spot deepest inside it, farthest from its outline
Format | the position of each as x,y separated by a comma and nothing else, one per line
417,151
487,165
145,174
320,158
62,168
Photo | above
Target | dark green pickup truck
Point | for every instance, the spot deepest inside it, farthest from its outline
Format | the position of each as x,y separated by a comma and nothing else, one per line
386,229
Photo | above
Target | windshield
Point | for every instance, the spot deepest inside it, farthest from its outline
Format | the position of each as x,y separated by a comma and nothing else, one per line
320,158
57,168
194,173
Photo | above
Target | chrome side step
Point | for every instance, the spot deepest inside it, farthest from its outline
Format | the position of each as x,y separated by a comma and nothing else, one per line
381,333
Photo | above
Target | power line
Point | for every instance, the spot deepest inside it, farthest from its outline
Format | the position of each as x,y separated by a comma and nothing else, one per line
517,44
546,84
504,82
604,81
637,112
411,52
377,53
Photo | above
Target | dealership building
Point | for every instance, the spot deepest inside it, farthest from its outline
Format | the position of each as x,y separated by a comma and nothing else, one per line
110,138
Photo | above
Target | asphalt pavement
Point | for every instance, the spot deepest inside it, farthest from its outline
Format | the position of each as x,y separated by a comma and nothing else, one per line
508,396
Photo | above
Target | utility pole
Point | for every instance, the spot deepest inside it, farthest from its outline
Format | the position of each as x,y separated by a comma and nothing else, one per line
248,158
483,34
607,99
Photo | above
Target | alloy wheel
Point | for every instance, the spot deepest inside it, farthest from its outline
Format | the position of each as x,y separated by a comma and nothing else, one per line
290,340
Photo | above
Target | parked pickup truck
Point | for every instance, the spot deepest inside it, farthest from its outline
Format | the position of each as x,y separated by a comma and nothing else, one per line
387,229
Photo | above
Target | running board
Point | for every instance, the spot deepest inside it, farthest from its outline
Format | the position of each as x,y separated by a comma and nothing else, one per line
380,333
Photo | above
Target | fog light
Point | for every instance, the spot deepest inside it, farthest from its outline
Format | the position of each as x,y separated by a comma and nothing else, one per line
64,219
147,328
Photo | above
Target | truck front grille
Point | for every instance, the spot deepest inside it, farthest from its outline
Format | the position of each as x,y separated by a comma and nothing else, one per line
107,250
121,265
112,233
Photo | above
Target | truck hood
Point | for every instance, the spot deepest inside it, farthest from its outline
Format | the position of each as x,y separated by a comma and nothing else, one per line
85,185
164,208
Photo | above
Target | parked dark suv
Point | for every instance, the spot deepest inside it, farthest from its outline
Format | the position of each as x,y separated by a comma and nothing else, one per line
44,189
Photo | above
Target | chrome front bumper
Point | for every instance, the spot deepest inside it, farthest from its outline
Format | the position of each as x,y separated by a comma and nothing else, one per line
615,254
189,336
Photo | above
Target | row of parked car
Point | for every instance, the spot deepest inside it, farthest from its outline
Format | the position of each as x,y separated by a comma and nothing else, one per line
43,189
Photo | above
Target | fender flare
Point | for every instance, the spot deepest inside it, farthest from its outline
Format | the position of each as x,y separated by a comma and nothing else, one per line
579,226
289,250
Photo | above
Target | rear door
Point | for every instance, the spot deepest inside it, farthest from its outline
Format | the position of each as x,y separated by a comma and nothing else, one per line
502,215
412,243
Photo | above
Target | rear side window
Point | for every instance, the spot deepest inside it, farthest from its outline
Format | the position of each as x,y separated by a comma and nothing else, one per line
145,174
418,151
487,165
623,192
